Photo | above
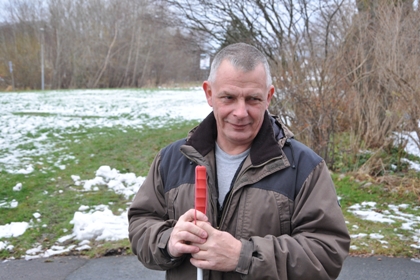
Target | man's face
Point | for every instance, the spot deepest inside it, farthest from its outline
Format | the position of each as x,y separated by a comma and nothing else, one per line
239,100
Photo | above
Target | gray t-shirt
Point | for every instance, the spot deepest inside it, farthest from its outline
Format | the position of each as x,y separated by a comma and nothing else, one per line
226,168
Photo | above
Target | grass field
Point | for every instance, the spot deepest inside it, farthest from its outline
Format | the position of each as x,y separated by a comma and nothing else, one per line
50,138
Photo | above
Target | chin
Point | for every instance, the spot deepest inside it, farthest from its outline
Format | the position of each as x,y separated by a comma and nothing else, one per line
243,139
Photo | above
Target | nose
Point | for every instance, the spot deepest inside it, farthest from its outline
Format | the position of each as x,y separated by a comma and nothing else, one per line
241,110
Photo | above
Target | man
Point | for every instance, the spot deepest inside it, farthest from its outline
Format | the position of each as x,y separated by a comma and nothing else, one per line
272,210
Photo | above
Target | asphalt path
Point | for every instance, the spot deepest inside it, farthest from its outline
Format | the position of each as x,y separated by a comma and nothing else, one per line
128,267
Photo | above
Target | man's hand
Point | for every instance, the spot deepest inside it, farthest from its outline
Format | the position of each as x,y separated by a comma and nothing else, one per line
220,252
186,235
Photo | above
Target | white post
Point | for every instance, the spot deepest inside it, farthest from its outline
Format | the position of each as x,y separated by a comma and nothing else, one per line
11,73
42,58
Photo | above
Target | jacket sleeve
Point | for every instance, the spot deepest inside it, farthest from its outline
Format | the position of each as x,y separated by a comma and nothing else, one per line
149,228
319,240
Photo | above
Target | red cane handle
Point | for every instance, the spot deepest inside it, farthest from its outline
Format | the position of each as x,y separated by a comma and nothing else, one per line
200,189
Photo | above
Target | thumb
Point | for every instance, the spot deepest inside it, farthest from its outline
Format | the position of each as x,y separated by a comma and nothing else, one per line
200,216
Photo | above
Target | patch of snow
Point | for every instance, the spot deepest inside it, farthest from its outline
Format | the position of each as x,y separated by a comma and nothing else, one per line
13,229
18,187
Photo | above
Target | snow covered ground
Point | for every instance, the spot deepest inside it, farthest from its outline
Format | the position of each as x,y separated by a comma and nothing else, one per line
31,118
36,120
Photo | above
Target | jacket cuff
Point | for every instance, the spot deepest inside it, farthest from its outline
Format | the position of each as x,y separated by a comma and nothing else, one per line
164,238
245,257
163,246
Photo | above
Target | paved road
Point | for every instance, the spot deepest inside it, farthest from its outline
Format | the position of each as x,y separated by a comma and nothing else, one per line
127,268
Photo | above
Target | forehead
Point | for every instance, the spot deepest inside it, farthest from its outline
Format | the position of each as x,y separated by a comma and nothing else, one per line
231,76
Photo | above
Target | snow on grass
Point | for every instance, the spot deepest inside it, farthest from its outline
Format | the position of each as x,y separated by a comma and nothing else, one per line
13,229
89,222
395,213
31,122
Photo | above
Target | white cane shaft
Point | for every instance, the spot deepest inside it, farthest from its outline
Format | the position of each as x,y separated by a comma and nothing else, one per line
199,274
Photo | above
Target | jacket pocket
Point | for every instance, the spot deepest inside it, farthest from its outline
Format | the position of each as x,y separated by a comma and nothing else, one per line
179,200
260,213
171,197
284,212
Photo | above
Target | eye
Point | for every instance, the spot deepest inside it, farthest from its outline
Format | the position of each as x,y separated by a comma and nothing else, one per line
227,97
254,99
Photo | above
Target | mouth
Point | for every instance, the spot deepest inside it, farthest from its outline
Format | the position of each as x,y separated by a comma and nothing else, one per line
239,126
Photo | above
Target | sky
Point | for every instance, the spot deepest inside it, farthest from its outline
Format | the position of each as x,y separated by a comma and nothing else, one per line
2,15
64,112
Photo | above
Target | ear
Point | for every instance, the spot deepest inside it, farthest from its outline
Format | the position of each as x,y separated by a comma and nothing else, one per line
270,95
208,92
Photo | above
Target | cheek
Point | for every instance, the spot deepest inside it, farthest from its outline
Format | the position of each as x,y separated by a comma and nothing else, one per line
257,114
221,111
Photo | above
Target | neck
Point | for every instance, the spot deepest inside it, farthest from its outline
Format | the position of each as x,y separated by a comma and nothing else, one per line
232,149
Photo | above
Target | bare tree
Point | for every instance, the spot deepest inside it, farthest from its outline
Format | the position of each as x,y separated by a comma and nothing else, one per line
301,40
382,64
336,70
21,41
97,43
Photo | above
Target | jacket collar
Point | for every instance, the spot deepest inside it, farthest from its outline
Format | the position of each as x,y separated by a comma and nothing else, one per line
264,147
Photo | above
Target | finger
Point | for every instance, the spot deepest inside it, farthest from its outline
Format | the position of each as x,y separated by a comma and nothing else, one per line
192,215
203,248
182,248
181,242
187,216
199,236
206,226
201,216
203,264
189,228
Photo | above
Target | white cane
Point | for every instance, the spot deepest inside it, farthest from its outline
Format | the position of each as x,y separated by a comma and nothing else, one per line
199,274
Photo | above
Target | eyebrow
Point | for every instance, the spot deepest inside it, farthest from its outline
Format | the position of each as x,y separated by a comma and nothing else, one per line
252,94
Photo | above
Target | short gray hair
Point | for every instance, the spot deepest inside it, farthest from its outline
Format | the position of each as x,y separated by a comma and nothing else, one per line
242,56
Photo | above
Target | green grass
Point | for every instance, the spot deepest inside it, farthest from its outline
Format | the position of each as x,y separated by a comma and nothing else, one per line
51,192
398,240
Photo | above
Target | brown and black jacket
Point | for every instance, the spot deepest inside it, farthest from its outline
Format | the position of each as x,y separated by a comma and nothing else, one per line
282,206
